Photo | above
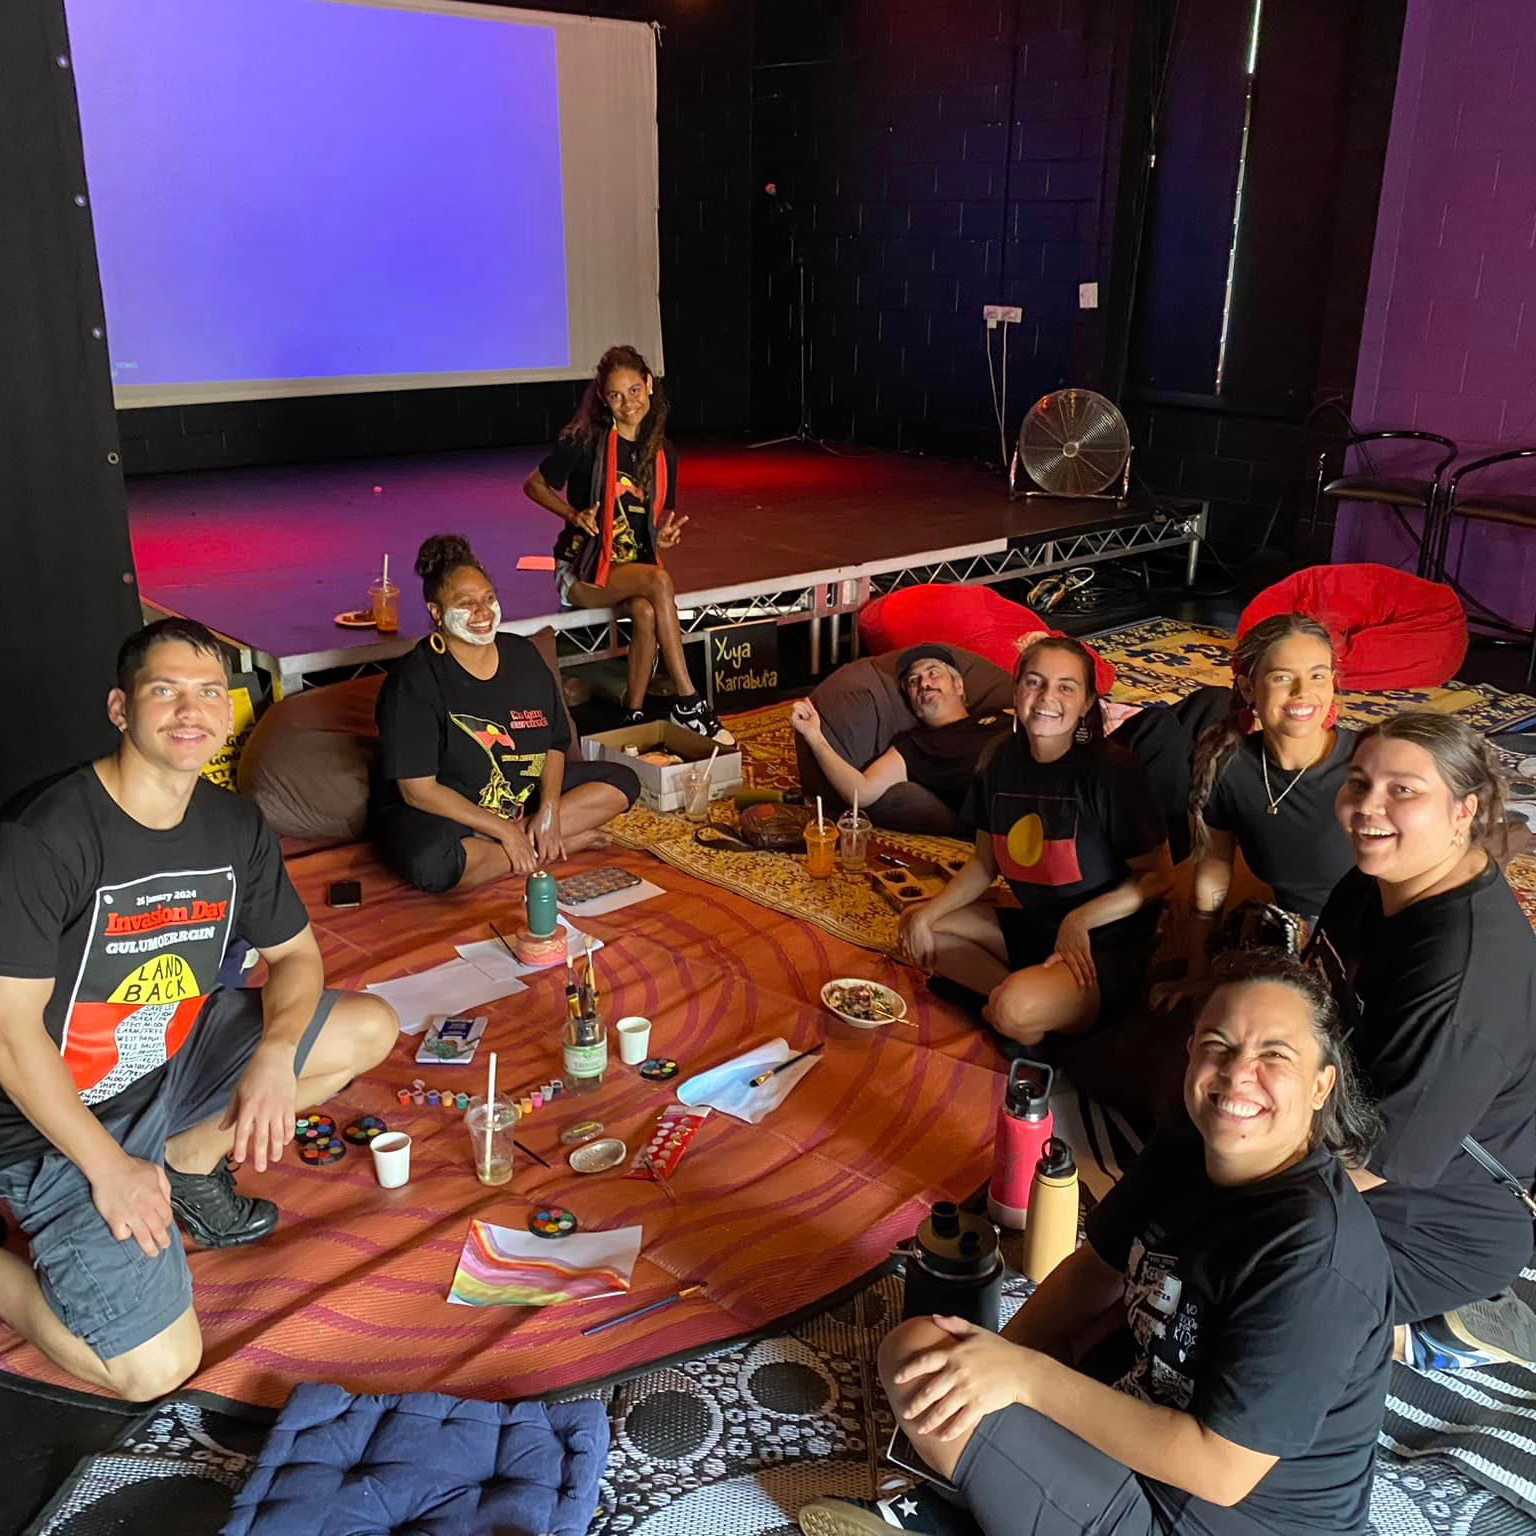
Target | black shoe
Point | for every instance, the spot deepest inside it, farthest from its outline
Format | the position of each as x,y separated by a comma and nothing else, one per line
208,1209
629,717
1501,1328
695,715
918,1509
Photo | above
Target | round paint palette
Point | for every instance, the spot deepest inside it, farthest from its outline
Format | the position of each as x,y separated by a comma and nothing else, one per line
599,1156
658,1069
361,1131
321,1153
552,1221
312,1126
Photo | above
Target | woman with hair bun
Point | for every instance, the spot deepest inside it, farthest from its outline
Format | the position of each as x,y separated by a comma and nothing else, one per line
472,781
1264,779
619,477
1434,967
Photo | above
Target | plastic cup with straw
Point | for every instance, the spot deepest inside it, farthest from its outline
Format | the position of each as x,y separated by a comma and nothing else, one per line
820,845
491,1124
853,838
384,599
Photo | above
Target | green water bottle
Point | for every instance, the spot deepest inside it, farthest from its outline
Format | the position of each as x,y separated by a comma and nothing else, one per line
540,897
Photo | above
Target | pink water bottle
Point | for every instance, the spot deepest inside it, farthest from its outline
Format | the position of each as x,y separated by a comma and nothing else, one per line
1023,1128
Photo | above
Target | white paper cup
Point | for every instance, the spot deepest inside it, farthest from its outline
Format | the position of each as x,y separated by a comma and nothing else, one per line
391,1158
634,1040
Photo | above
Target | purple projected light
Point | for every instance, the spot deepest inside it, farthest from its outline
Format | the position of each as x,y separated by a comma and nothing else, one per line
291,189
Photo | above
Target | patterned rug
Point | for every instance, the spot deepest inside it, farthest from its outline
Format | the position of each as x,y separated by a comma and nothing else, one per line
1156,661
726,1443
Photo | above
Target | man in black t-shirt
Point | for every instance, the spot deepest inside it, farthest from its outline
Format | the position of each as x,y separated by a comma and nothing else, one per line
127,1075
940,753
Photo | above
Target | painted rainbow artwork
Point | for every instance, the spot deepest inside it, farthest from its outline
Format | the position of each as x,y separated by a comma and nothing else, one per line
500,1267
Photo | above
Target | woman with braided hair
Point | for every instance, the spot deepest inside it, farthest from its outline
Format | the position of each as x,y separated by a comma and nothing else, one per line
1433,965
1264,779
618,473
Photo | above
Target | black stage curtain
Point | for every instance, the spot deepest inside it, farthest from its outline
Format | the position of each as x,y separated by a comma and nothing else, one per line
67,588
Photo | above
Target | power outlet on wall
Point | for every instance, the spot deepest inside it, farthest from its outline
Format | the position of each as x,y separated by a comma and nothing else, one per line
1006,314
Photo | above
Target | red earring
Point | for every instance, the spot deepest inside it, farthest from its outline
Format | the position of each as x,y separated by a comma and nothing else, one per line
1331,718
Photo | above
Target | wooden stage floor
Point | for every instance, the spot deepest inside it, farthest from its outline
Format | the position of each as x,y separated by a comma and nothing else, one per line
268,556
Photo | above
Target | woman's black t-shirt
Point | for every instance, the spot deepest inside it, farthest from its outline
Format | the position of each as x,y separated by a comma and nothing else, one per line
1062,832
486,740
571,465
1440,999
1300,851
1263,1310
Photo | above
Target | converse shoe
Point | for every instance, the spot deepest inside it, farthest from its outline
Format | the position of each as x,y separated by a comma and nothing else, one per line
695,715
918,1509
208,1208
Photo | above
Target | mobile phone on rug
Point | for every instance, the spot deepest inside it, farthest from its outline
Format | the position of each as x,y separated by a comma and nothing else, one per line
344,893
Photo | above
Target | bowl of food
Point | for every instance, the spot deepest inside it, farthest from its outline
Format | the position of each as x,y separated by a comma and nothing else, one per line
864,1004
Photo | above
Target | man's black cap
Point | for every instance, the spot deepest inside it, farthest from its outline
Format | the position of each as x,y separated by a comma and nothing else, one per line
913,654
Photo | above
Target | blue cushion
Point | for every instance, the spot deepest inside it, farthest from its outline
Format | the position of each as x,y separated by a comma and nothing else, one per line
424,1464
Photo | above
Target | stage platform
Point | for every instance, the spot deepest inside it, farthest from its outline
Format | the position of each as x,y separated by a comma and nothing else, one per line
267,557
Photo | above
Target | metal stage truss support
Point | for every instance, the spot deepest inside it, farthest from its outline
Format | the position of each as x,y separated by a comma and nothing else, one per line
596,634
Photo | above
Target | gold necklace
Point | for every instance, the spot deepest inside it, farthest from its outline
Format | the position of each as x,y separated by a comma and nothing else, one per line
1269,794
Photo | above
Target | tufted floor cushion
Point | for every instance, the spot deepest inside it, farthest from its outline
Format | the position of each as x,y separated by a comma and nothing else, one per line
307,762
1394,630
979,618
430,1465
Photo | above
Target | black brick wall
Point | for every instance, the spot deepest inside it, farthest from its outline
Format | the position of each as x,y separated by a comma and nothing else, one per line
703,73
938,158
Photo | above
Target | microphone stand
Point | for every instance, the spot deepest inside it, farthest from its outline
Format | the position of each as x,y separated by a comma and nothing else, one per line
804,432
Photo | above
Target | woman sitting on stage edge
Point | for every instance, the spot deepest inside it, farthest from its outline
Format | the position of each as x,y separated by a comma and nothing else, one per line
619,474
1071,823
1269,792
472,781
1434,967
1214,1358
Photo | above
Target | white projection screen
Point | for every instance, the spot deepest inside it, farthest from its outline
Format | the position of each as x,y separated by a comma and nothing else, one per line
305,197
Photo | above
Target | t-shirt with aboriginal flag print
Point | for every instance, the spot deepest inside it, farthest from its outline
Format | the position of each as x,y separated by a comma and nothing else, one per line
1062,832
131,923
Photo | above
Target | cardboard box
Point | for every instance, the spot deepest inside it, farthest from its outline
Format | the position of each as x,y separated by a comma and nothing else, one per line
661,788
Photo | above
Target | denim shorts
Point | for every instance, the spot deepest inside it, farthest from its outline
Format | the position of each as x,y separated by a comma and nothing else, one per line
106,1292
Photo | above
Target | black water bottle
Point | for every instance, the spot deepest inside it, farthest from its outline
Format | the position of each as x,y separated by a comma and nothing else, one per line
955,1268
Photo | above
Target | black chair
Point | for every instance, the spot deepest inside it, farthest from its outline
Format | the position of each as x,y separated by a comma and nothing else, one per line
1512,509
1387,490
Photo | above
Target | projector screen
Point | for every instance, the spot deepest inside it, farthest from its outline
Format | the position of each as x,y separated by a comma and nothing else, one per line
301,197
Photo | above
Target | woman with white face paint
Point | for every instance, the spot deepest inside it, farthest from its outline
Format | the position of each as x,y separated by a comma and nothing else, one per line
1433,965
472,781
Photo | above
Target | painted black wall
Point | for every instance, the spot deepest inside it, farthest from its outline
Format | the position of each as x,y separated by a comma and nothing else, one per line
937,158
703,82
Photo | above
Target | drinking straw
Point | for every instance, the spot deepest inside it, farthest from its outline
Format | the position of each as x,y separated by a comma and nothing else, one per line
490,1112
385,582
820,825
855,807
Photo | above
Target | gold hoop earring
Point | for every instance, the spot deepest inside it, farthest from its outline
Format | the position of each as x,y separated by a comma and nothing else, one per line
1459,839
436,641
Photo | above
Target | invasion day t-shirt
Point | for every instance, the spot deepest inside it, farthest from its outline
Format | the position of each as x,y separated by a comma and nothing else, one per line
569,465
131,923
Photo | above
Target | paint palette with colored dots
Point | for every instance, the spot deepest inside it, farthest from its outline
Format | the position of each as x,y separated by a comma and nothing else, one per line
315,1136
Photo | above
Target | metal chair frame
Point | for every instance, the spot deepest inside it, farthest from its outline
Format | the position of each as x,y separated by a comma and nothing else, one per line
1427,506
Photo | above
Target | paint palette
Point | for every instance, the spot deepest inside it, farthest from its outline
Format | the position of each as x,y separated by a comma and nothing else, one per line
904,888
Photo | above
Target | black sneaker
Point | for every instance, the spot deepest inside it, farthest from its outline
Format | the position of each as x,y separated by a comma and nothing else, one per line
208,1209
629,717
918,1509
695,715
1501,1328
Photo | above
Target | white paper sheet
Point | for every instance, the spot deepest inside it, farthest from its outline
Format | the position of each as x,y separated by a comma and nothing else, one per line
511,1268
615,901
729,1089
489,956
453,987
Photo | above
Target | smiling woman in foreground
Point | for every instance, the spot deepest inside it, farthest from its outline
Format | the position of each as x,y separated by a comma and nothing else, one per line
1214,1358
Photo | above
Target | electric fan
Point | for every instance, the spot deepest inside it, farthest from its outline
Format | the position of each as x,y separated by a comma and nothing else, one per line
1073,443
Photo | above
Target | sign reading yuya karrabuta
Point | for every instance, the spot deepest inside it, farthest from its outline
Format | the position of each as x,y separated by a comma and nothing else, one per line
744,662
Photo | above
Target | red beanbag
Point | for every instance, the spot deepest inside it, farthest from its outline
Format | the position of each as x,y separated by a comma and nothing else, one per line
978,619
1392,630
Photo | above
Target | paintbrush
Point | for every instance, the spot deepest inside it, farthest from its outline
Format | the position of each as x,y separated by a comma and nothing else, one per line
572,992
783,1066
655,1306
500,940
647,1161
529,1152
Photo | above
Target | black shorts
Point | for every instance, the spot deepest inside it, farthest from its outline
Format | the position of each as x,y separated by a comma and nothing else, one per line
428,850
1022,1474
1122,955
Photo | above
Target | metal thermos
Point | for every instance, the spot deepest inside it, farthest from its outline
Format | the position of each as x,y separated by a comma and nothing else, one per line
955,1269
1023,1128
1051,1232
540,897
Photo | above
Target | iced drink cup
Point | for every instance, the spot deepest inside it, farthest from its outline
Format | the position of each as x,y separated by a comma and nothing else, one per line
820,848
853,829
384,600
491,1129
